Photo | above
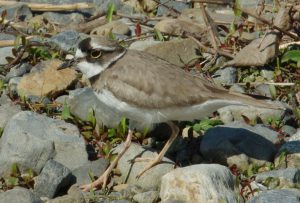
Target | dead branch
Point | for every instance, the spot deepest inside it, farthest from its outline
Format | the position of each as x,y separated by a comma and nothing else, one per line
215,42
270,24
50,7
210,50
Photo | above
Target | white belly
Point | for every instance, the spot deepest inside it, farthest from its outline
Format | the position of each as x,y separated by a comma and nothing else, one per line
146,117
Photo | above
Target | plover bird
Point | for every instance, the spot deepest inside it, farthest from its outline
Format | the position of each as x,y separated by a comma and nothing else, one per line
148,90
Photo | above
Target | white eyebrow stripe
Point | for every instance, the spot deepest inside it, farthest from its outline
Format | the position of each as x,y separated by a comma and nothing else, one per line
79,54
104,48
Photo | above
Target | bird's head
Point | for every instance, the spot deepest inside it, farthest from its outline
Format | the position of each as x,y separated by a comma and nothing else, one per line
94,55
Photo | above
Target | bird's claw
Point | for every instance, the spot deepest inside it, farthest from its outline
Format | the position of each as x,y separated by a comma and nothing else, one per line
102,180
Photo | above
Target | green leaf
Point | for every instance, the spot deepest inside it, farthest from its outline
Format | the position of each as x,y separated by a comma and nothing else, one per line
237,8
106,148
273,91
91,117
1,84
87,134
12,181
66,114
17,41
293,55
282,156
123,126
297,112
206,124
112,132
232,28
1,132
15,170
110,11
159,35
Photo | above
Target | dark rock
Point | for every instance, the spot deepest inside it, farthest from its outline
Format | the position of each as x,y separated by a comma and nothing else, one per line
52,179
220,144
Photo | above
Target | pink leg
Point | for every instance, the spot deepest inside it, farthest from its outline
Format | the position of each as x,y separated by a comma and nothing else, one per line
102,180
156,160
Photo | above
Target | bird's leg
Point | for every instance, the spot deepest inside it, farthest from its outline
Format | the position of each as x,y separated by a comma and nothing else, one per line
156,160
102,180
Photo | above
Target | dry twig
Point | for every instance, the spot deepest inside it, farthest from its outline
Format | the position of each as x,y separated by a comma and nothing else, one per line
210,50
50,7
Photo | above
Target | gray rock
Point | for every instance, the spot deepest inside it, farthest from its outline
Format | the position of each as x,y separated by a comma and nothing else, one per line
199,183
146,197
67,40
52,179
74,196
18,71
4,36
179,6
30,140
151,179
95,167
143,44
253,3
234,112
19,195
288,129
82,100
63,18
288,177
263,90
5,52
225,76
13,84
18,11
277,196
268,74
291,149
237,88
228,145
7,111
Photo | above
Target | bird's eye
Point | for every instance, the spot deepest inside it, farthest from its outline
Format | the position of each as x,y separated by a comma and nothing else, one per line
96,53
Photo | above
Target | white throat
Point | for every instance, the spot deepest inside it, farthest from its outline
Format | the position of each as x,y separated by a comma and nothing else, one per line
93,69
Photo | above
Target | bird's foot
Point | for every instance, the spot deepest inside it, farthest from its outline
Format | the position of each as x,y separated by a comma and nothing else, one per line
152,163
102,180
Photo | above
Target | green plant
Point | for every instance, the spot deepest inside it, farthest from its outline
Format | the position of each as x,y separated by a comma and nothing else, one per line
205,124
